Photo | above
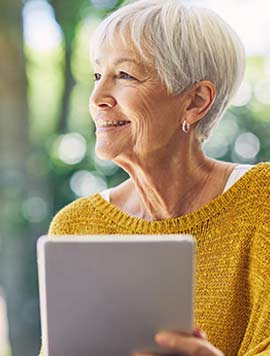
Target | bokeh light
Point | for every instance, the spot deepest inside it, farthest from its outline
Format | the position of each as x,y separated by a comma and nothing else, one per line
217,146
247,146
84,183
224,134
71,148
41,31
35,209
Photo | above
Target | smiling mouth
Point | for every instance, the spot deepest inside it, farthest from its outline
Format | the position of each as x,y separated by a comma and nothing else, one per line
102,124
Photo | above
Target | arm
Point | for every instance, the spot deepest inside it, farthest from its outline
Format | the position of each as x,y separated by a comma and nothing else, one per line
256,340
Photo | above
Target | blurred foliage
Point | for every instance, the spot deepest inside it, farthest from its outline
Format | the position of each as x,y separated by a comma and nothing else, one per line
60,164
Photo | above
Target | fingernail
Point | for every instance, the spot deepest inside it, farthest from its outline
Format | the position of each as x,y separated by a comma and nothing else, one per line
198,333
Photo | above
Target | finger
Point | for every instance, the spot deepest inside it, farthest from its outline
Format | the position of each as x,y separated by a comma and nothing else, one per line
179,342
186,344
197,332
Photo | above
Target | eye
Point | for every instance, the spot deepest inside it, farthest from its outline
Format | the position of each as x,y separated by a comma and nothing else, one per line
121,75
124,75
96,76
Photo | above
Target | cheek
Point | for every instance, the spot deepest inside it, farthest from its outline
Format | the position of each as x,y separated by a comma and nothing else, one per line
140,106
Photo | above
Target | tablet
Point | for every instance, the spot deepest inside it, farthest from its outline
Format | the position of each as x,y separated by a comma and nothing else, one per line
109,295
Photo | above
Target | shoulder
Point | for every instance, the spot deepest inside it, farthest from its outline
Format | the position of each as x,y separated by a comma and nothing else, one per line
262,169
257,192
70,219
259,178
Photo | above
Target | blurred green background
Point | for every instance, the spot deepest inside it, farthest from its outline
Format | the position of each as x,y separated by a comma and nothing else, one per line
47,137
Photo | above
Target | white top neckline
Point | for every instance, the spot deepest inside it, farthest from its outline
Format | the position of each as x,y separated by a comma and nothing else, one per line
236,174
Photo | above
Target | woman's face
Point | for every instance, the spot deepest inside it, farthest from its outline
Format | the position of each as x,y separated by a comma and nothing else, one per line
133,114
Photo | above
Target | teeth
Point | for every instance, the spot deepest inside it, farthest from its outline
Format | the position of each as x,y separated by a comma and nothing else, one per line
111,123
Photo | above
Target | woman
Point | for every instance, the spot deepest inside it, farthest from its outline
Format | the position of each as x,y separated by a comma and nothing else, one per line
164,75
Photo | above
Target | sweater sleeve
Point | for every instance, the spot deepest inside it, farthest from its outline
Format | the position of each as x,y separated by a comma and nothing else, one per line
62,222
78,218
256,340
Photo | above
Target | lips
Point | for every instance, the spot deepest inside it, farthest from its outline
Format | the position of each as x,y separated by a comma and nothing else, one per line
111,123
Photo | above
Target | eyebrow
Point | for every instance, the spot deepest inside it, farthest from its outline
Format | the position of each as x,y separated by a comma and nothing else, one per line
120,60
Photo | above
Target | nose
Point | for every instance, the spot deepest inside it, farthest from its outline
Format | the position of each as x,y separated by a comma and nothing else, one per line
101,97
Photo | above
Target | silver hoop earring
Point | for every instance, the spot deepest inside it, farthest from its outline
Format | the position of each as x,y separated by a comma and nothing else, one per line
185,127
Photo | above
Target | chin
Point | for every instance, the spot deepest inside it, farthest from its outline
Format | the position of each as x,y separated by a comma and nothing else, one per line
105,153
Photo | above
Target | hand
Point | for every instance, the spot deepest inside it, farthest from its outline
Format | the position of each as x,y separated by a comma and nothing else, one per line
191,345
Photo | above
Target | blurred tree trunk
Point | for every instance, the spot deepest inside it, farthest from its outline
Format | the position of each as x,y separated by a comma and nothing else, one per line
17,245
67,14
69,84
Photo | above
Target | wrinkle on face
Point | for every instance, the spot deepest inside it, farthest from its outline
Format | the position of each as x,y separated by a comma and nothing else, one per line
154,114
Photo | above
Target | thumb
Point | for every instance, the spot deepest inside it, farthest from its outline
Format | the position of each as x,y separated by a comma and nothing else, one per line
199,333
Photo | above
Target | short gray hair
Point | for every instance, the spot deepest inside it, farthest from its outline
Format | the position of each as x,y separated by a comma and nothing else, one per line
188,44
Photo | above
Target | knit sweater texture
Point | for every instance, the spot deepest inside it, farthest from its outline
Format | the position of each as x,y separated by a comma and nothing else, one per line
232,232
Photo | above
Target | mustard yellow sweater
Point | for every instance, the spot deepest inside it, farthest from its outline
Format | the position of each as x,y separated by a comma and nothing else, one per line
232,257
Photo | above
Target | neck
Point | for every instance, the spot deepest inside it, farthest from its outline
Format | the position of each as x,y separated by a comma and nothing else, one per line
166,184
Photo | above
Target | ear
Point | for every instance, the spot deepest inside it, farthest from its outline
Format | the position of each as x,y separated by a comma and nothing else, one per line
200,99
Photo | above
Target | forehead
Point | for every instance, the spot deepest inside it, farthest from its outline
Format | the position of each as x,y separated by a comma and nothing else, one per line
117,51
